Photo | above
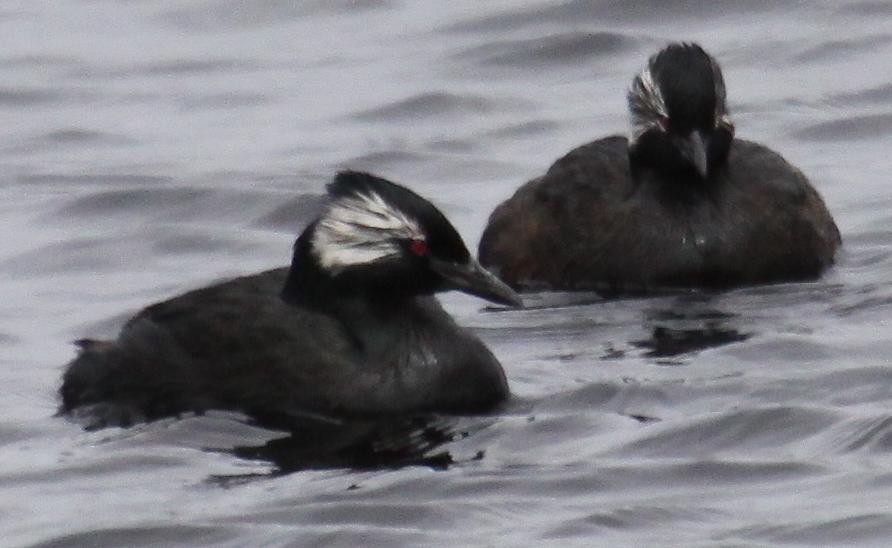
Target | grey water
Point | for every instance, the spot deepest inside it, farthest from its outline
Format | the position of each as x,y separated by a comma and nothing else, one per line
152,147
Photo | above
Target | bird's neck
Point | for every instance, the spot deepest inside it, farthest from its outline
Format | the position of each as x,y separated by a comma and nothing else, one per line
380,322
309,284
657,161
424,358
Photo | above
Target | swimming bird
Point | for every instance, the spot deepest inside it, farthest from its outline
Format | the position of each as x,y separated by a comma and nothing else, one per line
680,203
351,329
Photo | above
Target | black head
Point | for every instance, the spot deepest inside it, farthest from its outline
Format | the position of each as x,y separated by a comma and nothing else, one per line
680,121
378,237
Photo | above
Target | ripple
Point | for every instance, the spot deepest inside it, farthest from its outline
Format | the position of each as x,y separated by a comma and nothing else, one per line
629,399
73,255
870,8
850,128
874,433
294,214
37,61
85,136
712,473
431,166
22,97
124,201
240,14
576,11
427,105
166,535
880,94
531,128
870,302
202,243
72,138
171,68
350,513
224,100
631,518
11,434
384,159
451,145
126,179
845,531
188,67
749,430
836,49
556,50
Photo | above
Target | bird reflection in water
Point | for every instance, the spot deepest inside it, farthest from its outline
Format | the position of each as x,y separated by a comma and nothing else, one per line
384,444
677,332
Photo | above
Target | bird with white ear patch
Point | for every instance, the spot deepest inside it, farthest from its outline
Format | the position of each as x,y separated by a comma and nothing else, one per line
351,329
680,203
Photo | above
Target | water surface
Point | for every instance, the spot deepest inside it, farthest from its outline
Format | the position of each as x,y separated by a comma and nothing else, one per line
152,147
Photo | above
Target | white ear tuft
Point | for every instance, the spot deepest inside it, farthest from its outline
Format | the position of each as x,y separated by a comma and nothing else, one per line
361,228
646,103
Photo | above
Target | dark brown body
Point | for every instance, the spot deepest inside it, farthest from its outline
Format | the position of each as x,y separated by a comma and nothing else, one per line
238,345
589,223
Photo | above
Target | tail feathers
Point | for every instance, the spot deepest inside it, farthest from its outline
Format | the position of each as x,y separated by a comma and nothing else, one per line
87,377
134,379
92,344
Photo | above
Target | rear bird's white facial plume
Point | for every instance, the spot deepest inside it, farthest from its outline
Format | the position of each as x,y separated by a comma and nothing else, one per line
675,83
722,117
646,103
362,228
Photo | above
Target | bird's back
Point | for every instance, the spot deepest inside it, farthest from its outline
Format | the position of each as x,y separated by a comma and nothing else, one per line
238,345
588,223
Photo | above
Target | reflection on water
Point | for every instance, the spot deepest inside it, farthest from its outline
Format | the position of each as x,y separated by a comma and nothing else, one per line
390,443
668,341
681,330
677,323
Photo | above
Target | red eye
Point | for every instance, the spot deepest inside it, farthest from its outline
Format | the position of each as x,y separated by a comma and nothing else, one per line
418,247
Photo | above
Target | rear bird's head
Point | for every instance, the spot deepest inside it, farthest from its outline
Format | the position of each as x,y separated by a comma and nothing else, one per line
377,236
680,121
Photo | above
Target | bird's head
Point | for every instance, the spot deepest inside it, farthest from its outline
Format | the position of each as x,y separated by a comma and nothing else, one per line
377,236
680,121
